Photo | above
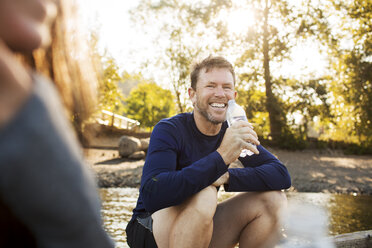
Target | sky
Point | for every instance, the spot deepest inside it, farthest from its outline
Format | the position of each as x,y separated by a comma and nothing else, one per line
130,46
116,32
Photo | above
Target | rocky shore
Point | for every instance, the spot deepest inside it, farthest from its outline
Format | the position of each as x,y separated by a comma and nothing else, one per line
311,170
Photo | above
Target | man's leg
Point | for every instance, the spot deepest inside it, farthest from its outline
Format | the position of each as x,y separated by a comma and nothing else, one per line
189,224
250,219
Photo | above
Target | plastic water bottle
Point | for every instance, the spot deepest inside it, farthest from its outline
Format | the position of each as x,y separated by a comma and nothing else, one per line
236,113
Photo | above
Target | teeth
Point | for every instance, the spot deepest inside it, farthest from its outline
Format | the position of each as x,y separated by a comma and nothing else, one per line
218,105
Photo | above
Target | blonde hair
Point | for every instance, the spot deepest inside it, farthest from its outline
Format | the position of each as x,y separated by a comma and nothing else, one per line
68,63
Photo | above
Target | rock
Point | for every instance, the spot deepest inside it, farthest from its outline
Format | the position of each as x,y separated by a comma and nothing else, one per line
128,145
138,155
145,144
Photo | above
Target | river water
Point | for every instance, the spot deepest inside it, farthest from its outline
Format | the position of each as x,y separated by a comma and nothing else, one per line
346,213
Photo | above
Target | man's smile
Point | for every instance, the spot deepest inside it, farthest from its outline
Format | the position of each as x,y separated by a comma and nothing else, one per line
218,105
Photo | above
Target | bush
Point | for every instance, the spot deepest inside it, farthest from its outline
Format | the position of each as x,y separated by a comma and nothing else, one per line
290,141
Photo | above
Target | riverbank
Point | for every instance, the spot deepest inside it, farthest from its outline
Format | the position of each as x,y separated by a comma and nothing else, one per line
311,170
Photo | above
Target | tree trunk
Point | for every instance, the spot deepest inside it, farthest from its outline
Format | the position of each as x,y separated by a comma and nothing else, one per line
179,103
271,103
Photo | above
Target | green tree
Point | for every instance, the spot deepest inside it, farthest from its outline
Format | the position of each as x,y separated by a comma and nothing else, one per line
130,81
186,29
309,99
253,101
352,84
191,29
344,29
149,103
196,28
110,96
278,27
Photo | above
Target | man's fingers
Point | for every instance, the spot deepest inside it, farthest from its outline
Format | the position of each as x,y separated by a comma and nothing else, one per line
240,124
251,147
251,139
244,127
247,131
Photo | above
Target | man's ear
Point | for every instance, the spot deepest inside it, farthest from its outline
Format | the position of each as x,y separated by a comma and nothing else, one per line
192,94
235,94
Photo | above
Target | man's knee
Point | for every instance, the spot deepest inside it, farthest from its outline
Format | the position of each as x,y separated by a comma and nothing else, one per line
203,203
273,202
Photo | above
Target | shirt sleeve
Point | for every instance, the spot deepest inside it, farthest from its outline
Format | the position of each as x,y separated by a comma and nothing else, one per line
164,186
43,178
261,172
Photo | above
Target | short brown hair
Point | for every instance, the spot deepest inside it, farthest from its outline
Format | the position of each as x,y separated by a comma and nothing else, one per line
209,63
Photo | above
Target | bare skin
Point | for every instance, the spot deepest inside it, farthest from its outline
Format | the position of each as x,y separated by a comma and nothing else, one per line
176,226
250,219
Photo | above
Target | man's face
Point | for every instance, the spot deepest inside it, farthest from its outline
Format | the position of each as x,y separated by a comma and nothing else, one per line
25,24
213,90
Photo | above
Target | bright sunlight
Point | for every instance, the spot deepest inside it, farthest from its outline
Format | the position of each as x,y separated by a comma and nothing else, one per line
132,47
238,19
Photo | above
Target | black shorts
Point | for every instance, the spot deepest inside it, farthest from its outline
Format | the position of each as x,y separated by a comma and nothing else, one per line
139,233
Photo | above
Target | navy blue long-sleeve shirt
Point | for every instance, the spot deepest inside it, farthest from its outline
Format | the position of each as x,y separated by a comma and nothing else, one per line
182,161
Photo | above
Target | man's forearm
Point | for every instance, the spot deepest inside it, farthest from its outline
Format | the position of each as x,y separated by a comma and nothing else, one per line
171,188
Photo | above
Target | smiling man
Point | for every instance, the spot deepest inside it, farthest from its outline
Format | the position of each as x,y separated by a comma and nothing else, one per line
188,159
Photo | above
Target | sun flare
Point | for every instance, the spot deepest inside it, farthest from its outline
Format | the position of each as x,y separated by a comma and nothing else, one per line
238,20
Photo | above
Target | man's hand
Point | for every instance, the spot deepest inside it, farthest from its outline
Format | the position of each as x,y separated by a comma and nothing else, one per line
238,137
222,180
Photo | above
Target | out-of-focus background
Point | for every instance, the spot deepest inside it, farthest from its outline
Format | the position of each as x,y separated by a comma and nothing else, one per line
304,78
303,67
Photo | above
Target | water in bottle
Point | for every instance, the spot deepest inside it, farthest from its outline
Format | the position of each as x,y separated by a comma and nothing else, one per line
235,113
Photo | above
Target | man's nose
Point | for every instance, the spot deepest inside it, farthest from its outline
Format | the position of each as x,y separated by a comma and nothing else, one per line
219,92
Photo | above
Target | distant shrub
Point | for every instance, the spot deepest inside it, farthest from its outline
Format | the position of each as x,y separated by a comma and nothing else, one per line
290,141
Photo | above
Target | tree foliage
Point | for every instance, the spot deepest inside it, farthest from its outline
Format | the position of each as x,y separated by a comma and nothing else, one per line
110,96
283,107
264,43
280,26
149,103
186,29
352,84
